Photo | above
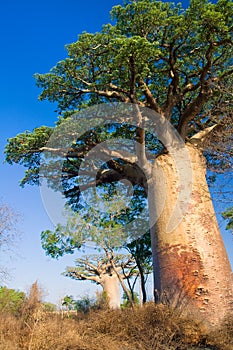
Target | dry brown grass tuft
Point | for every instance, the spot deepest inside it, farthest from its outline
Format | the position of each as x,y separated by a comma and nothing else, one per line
144,328
223,337
9,332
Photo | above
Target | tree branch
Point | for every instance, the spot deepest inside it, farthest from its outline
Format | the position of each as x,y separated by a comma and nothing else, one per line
151,101
140,146
73,273
199,138
191,111
172,94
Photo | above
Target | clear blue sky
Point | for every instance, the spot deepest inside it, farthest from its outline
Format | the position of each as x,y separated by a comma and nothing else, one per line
33,35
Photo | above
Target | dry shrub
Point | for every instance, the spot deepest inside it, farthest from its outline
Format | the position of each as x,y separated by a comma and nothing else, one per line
222,337
149,327
10,330
55,333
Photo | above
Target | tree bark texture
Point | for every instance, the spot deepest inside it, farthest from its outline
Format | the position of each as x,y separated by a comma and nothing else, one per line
111,287
191,267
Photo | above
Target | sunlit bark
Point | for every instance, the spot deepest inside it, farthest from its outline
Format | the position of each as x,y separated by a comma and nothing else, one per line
191,267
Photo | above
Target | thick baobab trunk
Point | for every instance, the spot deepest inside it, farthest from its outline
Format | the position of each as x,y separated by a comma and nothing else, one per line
111,287
191,267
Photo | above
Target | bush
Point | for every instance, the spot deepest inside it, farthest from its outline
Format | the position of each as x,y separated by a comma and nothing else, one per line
11,301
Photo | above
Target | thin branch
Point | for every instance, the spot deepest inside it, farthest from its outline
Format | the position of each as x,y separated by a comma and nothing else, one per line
172,94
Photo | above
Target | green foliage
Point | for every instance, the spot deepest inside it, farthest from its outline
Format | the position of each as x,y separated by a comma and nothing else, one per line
11,301
59,242
144,35
49,307
85,304
125,302
25,149
228,215
141,251
69,303
81,229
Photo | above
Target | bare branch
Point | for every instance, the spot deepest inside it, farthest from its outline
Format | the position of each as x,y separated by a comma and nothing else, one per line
151,101
200,137
73,273
123,154
192,109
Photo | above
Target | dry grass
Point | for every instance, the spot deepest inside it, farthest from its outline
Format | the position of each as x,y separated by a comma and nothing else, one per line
148,328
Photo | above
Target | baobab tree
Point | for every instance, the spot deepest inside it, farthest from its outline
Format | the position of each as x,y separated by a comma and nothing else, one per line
108,270
177,64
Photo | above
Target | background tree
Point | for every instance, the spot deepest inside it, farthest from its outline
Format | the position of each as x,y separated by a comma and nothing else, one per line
11,301
105,232
228,215
177,63
109,271
68,302
85,304
8,233
49,307
140,249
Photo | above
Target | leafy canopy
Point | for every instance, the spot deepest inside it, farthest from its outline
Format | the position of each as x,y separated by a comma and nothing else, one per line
177,62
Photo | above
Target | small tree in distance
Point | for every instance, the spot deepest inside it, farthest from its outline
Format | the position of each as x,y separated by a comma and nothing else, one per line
11,301
108,270
68,302
8,234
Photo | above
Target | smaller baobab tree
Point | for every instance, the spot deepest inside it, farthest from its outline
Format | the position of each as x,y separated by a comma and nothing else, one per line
108,270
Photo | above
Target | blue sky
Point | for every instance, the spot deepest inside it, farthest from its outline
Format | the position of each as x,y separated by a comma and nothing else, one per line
33,36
